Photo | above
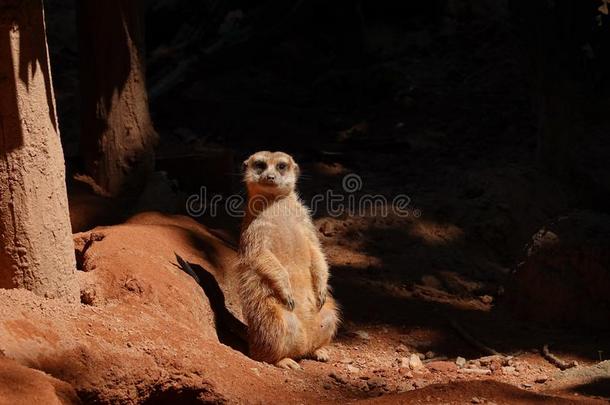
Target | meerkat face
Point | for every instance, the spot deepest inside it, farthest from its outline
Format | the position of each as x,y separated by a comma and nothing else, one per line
274,172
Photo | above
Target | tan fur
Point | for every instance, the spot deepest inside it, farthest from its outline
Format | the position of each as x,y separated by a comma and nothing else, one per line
284,274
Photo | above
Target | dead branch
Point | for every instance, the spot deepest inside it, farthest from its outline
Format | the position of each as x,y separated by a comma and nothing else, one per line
474,342
556,361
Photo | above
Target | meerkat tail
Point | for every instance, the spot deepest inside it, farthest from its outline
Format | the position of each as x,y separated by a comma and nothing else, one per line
183,264
230,321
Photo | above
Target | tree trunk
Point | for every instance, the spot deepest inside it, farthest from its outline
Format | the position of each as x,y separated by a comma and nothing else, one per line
36,247
118,137
567,55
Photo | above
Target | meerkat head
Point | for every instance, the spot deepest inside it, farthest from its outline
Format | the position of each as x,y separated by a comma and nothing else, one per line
273,173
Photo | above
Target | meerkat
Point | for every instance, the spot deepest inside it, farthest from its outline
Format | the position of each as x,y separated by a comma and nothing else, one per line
283,272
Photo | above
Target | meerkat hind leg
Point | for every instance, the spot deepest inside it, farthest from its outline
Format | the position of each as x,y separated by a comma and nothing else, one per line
288,364
321,354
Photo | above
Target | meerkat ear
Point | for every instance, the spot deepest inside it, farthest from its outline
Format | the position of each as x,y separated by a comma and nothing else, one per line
297,170
244,165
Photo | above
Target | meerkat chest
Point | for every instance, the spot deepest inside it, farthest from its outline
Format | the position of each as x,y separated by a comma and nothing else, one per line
290,243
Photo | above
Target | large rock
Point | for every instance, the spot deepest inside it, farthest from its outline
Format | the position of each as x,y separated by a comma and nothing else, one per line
145,332
565,277
20,385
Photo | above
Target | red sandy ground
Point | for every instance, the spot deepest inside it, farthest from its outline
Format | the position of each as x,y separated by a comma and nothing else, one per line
145,333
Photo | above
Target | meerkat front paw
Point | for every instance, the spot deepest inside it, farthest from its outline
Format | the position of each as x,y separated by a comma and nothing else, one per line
288,364
288,301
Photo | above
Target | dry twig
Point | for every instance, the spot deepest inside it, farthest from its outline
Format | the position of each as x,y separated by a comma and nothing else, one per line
556,361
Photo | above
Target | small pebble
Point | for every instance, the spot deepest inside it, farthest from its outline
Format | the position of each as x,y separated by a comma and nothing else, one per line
362,334
405,372
442,366
486,299
479,371
403,387
415,362
402,349
460,362
376,382
327,228
337,377
509,370
352,369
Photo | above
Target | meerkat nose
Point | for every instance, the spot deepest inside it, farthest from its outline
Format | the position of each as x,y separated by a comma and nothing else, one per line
270,177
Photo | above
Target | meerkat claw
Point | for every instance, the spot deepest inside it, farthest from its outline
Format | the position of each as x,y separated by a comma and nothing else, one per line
290,304
321,299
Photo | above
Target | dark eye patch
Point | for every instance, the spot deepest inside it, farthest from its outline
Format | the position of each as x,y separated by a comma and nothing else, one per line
260,165
282,166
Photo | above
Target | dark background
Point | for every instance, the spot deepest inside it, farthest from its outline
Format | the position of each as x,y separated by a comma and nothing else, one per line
491,115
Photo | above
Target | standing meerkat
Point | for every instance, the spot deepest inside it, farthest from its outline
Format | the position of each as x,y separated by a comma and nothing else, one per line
283,272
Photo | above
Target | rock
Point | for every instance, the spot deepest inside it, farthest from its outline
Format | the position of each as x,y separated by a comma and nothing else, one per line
346,360
479,371
429,280
376,383
327,386
565,277
486,299
402,349
403,362
442,366
327,228
364,386
495,365
460,362
421,356
87,295
338,377
541,379
352,369
430,354
487,360
415,362
23,385
362,335
403,387
508,370
475,363
476,400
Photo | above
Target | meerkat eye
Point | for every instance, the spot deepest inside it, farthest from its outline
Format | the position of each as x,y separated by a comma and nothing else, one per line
282,166
260,165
